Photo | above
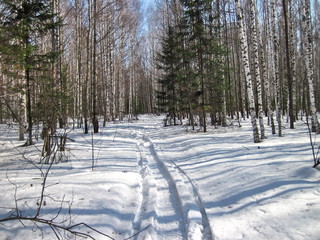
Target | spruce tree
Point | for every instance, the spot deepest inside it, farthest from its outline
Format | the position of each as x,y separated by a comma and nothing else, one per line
191,64
169,63
205,52
22,24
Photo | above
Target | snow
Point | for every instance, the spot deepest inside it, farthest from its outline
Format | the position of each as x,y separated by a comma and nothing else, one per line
151,182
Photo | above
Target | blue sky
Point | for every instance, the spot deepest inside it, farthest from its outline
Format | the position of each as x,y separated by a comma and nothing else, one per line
146,4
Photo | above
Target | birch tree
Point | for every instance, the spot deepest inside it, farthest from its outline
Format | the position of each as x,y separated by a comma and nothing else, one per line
288,62
309,63
246,66
276,78
269,84
254,32
95,120
292,56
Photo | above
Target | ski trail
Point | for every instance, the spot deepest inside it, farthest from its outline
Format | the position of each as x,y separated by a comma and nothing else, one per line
145,215
198,225
196,206
160,210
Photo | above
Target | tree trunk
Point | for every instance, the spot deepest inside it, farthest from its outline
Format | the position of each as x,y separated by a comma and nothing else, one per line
224,94
79,84
309,64
276,68
289,71
246,65
28,94
22,117
254,28
271,67
85,87
292,41
95,120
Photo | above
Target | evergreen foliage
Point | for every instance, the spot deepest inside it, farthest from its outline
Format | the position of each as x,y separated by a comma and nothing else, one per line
169,62
191,61
23,26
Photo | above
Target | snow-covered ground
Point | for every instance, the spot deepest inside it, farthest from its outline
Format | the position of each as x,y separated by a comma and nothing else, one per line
151,182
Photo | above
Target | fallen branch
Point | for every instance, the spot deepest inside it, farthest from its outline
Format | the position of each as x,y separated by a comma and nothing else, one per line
316,159
137,233
56,227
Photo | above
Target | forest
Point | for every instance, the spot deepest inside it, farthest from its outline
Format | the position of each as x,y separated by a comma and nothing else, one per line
159,119
95,61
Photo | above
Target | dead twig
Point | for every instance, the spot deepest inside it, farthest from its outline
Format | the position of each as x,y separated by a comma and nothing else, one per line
316,159
56,227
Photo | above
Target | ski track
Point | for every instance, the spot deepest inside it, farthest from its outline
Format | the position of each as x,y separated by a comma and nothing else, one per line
168,197
195,206
145,215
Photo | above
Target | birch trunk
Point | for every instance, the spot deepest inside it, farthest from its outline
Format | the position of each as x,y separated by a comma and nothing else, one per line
131,85
266,84
105,48
78,62
22,116
85,98
309,63
292,43
245,59
95,120
122,85
276,68
254,28
271,67
29,106
289,71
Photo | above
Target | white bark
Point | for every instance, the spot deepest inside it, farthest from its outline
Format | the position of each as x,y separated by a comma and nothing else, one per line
271,73
22,117
78,88
276,68
254,28
309,63
246,64
293,56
